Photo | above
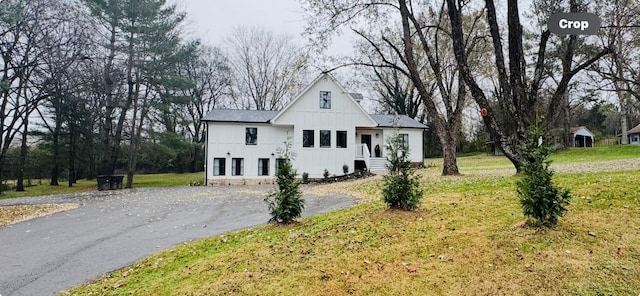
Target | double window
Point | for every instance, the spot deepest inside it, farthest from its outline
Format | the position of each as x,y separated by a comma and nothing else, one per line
237,166
219,166
308,138
263,167
251,136
325,100
325,139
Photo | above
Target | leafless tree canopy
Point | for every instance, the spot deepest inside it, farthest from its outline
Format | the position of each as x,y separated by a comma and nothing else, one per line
267,68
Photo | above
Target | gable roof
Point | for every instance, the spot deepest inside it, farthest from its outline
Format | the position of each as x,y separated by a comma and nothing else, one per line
581,131
402,121
235,115
635,130
306,89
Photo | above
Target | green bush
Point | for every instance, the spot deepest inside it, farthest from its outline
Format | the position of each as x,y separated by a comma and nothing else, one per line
345,169
542,201
305,177
286,203
401,189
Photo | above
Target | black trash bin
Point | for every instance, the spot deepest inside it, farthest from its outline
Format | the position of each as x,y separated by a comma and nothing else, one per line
116,182
109,182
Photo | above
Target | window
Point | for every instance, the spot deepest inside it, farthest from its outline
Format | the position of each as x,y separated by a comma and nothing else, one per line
325,139
219,166
237,166
251,136
263,167
325,100
404,138
278,162
307,138
341,139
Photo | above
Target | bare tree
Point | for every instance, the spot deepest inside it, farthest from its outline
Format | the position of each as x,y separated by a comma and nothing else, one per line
268,69
519,86
396,93
22,28
620,70
208,71
61,76
416,45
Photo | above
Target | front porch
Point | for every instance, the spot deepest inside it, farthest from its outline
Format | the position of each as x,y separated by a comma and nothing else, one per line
370,149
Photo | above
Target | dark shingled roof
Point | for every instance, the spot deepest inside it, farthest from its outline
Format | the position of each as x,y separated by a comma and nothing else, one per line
235,115
403,121
259,116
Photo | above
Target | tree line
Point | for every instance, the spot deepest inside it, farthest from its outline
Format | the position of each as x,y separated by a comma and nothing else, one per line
95,87
92,87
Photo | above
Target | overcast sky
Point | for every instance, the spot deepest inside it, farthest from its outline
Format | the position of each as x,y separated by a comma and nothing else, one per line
212,20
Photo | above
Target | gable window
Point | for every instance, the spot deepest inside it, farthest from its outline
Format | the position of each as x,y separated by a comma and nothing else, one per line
325,139
307,138
404,138
263,167
237,166
251,136
219,166
341,139
325,100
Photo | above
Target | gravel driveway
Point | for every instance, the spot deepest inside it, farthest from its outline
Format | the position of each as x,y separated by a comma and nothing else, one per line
112,229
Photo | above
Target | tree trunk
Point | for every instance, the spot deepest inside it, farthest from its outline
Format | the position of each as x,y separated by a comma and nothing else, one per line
566,122
55,171
23,154
72,155
450,162
194,160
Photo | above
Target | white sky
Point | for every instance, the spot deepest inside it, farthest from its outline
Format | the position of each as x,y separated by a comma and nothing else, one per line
213,20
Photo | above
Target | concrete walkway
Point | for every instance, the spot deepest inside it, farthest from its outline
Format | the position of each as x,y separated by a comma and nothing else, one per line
112,229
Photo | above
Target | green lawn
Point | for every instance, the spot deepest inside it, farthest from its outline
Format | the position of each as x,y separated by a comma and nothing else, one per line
139,181
467,238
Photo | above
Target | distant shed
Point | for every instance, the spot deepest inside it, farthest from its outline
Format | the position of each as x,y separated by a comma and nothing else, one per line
582,136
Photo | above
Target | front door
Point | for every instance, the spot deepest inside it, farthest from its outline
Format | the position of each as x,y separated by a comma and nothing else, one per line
366,139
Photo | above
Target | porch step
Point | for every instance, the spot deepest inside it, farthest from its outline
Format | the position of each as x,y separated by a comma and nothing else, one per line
377,164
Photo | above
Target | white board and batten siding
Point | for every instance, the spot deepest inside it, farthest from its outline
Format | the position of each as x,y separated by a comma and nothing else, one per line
415,142
227,132
227,140
345,114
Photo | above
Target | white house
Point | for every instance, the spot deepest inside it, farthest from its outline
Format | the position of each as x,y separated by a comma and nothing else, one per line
327,126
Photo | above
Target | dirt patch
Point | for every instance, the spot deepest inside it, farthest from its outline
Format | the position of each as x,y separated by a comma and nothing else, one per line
18,213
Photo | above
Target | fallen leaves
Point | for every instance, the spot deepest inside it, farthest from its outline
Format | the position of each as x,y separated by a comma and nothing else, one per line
18,213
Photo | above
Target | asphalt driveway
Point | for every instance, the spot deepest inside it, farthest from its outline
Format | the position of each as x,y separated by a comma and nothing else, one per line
112,229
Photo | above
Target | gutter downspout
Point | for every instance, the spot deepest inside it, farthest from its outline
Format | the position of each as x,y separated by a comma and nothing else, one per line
206,152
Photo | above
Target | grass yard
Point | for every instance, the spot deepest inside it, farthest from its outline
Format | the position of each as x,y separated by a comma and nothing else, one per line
466,238
139,181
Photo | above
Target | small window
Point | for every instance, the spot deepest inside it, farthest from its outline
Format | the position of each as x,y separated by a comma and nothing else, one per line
237,166
341,139
263,167
405,140
307,138
219,166
325,139
325,100
251,136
